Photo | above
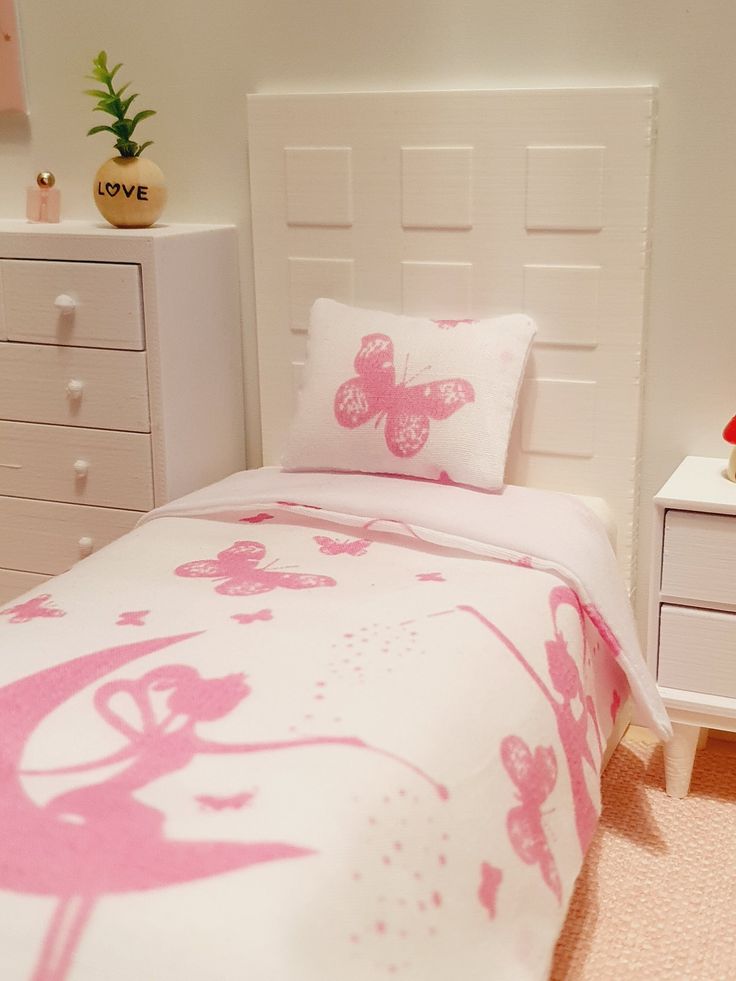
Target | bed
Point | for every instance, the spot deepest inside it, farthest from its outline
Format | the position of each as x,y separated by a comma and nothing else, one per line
316,724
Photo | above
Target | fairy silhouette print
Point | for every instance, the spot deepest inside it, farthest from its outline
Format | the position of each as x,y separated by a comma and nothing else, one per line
567,683
99,838
406,409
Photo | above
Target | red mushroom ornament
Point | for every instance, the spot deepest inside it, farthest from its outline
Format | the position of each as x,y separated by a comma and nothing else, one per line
729,434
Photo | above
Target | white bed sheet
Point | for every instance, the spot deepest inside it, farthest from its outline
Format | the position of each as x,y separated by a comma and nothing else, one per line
316,755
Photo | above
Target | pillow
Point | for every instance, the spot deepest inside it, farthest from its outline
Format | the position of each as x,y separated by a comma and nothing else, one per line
390,394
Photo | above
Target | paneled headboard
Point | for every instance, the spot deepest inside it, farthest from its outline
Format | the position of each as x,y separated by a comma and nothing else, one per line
471,204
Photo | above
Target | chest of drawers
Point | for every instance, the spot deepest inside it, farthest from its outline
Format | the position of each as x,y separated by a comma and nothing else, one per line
692,630
120,383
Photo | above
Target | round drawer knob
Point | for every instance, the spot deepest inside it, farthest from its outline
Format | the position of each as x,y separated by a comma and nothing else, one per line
86,544
81,468
75,388
65,304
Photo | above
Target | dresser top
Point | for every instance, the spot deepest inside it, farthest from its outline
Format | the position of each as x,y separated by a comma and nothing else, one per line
99,229
700,484
95,241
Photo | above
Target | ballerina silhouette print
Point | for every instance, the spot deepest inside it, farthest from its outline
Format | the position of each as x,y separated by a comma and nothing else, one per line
98,838
566,680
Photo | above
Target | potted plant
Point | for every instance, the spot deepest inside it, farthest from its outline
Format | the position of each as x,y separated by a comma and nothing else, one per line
129,190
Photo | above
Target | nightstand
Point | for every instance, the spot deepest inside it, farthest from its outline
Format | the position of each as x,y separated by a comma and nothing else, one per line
692,627
120,382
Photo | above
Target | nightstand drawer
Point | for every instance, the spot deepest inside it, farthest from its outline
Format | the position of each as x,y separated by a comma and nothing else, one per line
697,650
85,304
47,537
14,584
72,386
80,466
699,558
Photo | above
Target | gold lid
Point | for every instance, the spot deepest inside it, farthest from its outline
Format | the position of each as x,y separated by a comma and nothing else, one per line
45,179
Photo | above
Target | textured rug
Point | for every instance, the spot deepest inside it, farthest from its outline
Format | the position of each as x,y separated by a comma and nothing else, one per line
656,898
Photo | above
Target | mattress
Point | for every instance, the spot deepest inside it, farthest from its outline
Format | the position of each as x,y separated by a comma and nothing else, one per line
310,728
602,510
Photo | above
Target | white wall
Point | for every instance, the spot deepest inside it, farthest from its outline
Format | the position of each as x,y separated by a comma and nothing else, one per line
195,62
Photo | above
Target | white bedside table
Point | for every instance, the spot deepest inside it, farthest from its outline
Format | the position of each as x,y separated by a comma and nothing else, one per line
692,625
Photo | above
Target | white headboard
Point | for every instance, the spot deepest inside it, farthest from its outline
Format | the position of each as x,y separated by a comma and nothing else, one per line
470,204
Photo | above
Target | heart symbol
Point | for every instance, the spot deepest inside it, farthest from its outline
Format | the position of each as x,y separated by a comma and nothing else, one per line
112,189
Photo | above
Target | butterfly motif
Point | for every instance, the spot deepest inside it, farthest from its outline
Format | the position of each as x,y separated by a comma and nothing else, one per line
132,618
252,617
331,546
407,409
534,775
257,518
452,323
32,609
525,562
237,569
209,802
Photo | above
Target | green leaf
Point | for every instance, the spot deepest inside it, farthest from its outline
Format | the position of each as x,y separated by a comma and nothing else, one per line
126,148
143,146
126,103
122,128
97,93
143,114
101,129
109,109
115,70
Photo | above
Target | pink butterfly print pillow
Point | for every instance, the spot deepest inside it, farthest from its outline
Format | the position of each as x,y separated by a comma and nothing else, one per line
384,393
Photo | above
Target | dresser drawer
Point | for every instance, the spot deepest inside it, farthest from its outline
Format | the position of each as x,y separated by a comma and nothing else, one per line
699,558
79,466
14,584
84,304
697,650
74,386
47,537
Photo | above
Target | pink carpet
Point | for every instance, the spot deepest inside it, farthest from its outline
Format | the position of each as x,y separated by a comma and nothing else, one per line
657,896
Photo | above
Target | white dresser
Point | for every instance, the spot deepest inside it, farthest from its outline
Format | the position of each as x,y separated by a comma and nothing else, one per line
692,629
120,382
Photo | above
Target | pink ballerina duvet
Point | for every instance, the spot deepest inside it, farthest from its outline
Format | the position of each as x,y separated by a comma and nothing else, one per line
311,728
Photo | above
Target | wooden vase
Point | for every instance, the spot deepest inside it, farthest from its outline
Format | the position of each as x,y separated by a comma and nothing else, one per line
130,192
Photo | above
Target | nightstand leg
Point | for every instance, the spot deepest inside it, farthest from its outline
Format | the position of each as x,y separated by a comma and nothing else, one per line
703,738
679,756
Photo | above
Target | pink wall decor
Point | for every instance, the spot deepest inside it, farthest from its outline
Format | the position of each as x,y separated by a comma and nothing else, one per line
12,90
